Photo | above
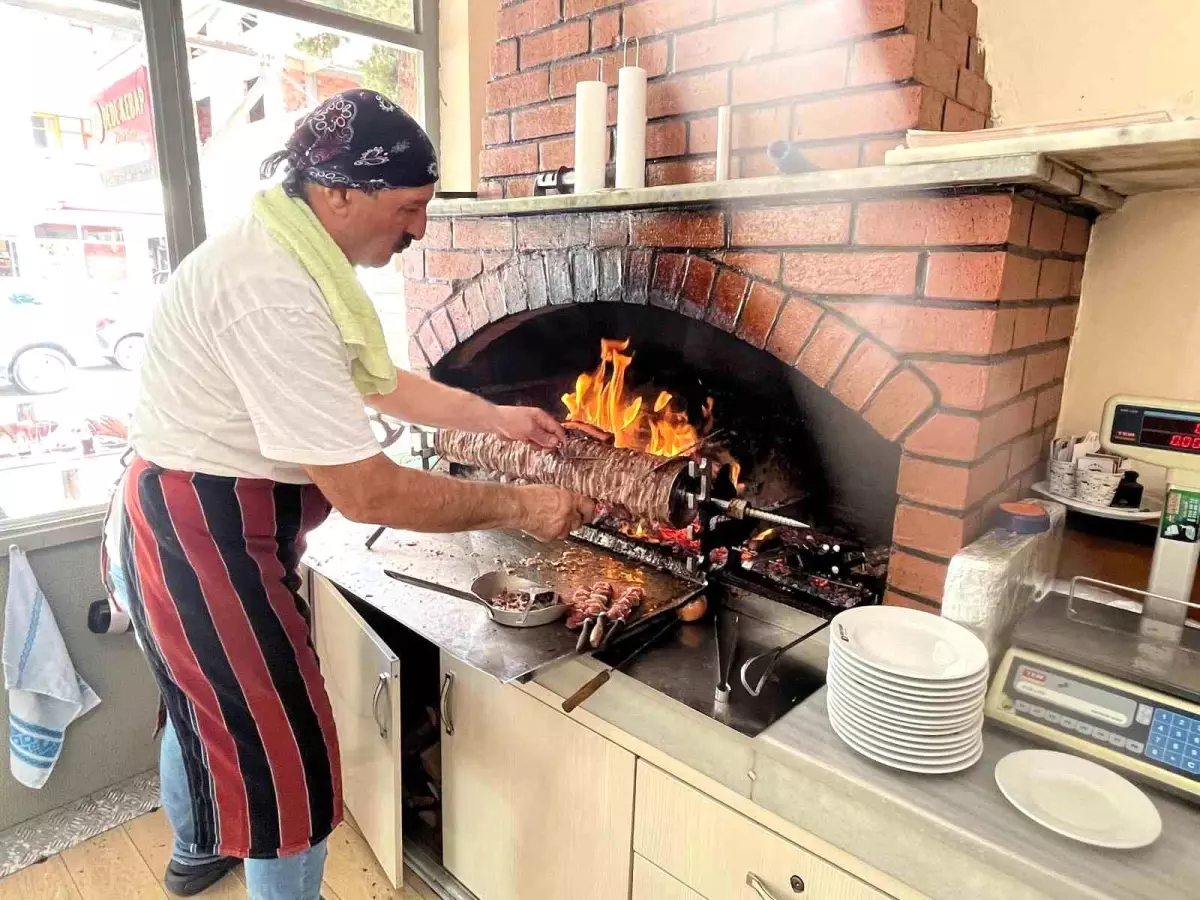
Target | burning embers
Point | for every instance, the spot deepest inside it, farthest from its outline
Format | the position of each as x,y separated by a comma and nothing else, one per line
601,399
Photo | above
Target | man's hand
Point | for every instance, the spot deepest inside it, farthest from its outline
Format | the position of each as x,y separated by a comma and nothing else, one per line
550,513
525,423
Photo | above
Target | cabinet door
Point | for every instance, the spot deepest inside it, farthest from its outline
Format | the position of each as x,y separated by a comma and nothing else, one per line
652,883
534,805
362,676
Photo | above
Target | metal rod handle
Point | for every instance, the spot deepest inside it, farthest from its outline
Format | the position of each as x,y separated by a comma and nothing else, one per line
381,686
1080,579
447,722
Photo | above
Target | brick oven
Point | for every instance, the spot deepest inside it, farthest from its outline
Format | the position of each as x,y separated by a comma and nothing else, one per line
902,331
942,321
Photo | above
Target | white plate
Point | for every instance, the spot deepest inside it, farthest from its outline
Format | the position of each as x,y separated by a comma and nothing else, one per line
905,712
1078,799
909,642
903,749
900,735
923,687
922,702
928,729
922,768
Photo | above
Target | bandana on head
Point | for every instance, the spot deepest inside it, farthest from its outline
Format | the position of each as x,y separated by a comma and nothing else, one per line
356,139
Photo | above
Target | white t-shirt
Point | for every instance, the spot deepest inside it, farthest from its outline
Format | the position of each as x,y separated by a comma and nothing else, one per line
245,373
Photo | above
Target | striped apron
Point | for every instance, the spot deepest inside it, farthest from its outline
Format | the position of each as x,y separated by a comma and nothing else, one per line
213,594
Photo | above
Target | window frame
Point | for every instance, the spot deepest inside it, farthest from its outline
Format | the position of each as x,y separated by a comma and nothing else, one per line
175,130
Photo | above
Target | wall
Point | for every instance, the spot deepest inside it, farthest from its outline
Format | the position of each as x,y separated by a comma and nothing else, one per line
112,742
1143,275
466,35
845,78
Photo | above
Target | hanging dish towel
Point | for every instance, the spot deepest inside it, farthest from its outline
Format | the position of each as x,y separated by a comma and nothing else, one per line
296,228
45,693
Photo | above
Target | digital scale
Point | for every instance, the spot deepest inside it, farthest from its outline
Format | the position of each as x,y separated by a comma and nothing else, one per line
1120,686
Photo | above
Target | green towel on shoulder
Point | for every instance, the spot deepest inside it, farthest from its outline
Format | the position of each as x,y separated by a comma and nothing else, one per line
294,225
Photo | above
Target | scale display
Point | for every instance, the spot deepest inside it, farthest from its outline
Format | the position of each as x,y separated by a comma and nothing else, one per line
1160,429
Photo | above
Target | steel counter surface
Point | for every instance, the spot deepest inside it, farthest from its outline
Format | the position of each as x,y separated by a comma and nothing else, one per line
337,551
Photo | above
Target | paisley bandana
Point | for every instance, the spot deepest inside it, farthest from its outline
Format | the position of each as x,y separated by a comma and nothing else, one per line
356,139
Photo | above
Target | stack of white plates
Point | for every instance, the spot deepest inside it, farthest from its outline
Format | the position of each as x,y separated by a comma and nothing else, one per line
906,688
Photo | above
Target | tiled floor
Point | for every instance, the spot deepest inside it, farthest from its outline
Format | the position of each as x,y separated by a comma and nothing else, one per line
128,862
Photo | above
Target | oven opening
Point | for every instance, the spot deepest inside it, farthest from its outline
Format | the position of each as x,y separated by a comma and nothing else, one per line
654,379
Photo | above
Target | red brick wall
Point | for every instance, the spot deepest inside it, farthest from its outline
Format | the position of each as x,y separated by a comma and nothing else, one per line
844,77
944,321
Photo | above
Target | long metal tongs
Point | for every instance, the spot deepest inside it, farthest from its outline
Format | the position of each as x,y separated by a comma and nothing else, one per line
773,656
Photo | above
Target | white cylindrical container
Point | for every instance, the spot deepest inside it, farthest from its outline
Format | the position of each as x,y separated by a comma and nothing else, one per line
724,141
631,125
591,135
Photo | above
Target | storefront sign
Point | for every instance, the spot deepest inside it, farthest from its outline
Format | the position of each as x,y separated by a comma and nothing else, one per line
123,121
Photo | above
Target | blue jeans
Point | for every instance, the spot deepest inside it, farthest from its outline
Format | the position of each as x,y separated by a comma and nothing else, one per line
287,878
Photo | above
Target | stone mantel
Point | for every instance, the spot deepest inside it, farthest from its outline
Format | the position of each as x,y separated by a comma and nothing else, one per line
1032,169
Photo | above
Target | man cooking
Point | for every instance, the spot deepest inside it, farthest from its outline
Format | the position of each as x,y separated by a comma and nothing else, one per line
249,425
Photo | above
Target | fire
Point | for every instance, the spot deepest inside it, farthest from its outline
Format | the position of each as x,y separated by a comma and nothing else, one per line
602,399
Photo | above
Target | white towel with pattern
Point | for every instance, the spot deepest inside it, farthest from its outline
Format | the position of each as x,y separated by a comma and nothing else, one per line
45,693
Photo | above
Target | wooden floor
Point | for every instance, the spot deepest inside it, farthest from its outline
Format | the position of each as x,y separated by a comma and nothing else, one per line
128,862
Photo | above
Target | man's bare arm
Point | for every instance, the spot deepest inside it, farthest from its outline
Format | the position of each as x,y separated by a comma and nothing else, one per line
425,402
379,492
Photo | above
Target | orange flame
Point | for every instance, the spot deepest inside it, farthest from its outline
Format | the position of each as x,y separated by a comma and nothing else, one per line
602,399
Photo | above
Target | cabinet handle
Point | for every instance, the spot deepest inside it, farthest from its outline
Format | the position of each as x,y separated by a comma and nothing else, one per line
764,893
381,686
447,722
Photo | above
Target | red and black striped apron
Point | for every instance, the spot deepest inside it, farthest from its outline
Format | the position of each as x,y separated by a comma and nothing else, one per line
212,564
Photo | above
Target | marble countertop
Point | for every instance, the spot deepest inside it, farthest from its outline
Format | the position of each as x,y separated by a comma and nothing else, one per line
968,811
1031,169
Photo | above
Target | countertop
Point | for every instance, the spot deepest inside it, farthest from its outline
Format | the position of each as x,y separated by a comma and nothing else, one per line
969,811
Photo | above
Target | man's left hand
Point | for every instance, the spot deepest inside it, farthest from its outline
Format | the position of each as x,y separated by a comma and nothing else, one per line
526,423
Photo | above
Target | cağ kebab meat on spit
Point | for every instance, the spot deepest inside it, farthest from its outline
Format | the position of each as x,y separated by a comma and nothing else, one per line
639,484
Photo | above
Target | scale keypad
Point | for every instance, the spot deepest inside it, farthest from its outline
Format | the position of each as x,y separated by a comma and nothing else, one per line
1175,741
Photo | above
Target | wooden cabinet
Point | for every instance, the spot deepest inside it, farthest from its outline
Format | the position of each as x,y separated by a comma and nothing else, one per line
722,855
652,883
534,805
362,676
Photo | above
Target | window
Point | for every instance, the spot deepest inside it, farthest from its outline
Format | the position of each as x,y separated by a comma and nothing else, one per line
258,110
59,383
95,243
9,265
274,74
45,134
393,12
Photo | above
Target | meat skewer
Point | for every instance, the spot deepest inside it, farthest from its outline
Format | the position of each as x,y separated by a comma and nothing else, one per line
638,484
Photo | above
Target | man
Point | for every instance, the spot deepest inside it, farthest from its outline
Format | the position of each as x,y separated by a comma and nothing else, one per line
250,423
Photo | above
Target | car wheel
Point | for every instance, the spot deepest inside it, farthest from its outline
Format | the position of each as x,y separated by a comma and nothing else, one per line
128,352
41,370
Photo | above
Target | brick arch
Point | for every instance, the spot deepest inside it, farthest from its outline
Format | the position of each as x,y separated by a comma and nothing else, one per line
943,321
728,291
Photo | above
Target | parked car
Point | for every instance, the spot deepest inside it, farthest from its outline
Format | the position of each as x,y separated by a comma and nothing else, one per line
121,334
48,328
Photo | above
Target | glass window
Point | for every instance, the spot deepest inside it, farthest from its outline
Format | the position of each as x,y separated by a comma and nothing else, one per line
44,136
73,301
393,12
9,264
257,83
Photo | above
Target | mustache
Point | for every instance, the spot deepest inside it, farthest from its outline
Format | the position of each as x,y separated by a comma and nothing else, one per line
404,243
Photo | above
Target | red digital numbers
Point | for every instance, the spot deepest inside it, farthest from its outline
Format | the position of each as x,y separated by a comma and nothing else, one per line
1185,441
1196,430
